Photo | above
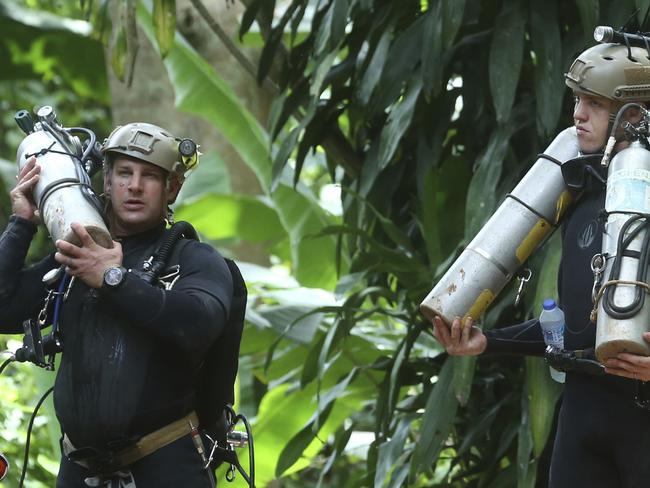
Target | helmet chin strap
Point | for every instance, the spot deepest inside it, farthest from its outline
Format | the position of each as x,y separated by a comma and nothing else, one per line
170,216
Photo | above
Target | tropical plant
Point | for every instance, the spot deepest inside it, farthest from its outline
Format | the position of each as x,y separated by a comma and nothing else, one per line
48,60
427,113
422,114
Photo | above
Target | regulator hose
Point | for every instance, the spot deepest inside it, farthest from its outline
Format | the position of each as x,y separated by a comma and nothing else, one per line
159,259
7,362
625,238
29,436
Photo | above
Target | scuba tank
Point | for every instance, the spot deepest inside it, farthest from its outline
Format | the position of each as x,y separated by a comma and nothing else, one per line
509,237
623,308
63,193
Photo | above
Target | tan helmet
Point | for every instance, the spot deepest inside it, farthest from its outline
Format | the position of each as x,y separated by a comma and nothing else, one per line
606,70
154,145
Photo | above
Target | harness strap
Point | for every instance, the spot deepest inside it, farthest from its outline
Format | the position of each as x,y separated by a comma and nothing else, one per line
148,444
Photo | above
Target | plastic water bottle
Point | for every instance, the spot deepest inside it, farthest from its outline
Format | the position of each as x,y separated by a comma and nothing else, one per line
552,322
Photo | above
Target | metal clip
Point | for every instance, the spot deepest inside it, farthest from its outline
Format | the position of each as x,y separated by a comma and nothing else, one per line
68,288
169,279
597,268
42,315
523,277
147,264
230,474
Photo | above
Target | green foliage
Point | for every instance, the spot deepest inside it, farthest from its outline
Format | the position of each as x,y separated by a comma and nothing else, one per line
48,60
164,13
428,112
424,114
22,389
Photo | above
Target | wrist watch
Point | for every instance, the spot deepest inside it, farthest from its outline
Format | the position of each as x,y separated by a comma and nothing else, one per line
114,276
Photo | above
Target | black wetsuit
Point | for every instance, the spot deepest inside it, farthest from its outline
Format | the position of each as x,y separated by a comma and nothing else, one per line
131,354
603,439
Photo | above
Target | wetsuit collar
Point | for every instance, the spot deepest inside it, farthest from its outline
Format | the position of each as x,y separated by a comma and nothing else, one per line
145,237
585,172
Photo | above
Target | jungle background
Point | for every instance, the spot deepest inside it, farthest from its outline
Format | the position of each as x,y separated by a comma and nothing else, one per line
351,149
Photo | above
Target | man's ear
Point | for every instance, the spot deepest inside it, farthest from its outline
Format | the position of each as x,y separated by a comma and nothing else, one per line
107,183
173,187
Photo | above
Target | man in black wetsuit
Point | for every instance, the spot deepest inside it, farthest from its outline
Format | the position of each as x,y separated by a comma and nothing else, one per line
125,391
603,439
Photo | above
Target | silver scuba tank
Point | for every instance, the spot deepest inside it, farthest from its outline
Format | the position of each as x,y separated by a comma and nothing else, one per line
509,237
63,194
623,307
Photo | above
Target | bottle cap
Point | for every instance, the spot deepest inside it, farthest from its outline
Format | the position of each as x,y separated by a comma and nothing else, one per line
549,304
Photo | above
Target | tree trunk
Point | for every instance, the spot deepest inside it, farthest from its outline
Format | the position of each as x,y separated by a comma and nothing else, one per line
150,98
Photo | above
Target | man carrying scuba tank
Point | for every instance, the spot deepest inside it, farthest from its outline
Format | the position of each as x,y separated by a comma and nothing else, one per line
603,437
133,343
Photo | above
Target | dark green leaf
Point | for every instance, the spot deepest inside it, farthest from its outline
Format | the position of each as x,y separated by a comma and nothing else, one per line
463,376
312,364
643,6
287,106
118,53
332,27
390,451
437,421
340,442
296,19
392,230
589,13
454,11
372,74
286,148
274,42
481,197
298,443
250,13
293,449
339,21
432,40
398,123
481,426
269,52
543,393
506,57
430,221
524,444
549,81
401,60
164,22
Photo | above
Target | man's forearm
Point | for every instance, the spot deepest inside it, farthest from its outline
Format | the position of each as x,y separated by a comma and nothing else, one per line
14,244
21,290
521,339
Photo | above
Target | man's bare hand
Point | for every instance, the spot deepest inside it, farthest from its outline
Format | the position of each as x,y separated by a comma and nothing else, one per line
460,341
89,261
22,200
629,365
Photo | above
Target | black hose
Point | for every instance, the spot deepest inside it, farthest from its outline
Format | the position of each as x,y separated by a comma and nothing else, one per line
251,450
6,363
619,115
91,145
29,435
161,256
623,242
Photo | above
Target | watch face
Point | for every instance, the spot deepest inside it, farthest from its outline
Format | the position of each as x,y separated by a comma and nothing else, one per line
113,276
